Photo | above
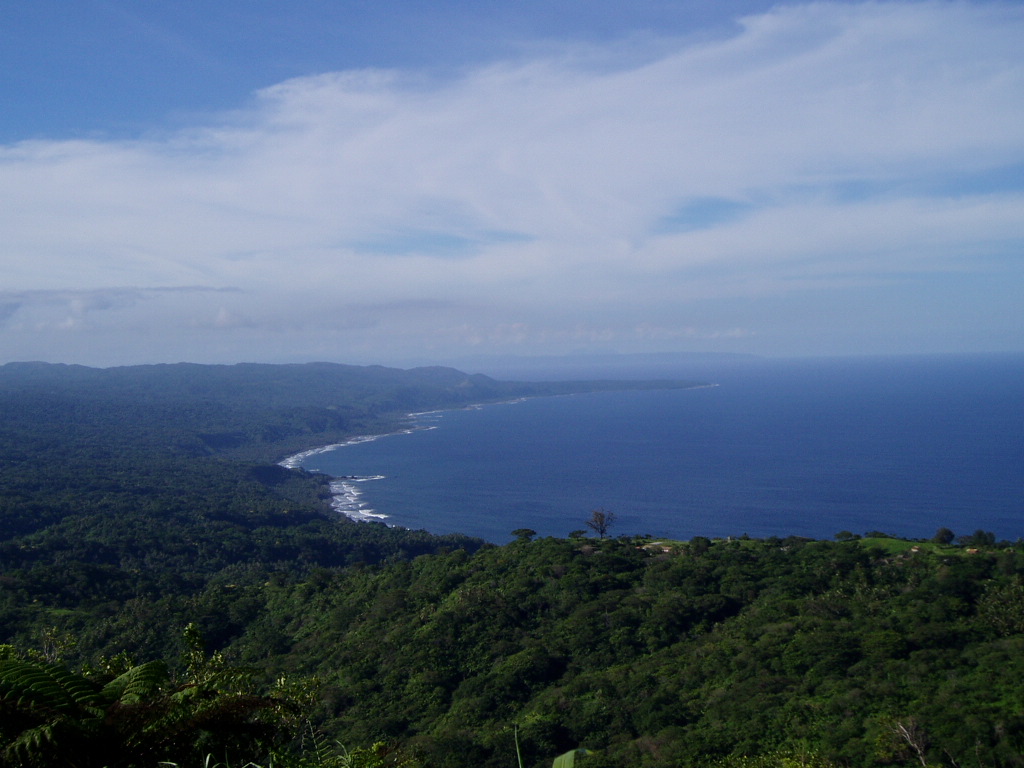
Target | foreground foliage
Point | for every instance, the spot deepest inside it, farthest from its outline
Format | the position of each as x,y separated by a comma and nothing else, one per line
50,715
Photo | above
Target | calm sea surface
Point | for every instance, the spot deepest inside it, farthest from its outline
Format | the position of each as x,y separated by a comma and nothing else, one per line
901,445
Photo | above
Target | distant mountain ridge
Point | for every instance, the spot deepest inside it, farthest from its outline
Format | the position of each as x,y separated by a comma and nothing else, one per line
254,410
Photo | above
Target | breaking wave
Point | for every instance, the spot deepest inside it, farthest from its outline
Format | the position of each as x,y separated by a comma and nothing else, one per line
346,495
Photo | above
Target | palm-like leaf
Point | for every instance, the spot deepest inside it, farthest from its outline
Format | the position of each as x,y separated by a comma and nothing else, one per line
49,686
52,716
138,683
47,712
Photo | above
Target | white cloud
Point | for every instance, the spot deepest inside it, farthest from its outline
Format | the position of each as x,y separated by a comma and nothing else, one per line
526,201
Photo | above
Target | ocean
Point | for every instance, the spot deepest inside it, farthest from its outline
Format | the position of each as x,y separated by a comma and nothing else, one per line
774,448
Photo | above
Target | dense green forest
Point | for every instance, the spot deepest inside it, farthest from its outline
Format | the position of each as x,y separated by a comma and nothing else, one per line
168,593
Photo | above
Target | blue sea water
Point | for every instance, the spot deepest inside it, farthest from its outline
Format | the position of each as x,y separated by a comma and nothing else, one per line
811,448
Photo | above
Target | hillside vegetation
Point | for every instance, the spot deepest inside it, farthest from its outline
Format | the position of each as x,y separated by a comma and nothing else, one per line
168,593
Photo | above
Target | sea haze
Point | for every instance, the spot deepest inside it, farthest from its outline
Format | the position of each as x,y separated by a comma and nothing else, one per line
900,445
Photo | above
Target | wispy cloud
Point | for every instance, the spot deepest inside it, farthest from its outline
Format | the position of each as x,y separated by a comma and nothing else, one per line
550,202
68,308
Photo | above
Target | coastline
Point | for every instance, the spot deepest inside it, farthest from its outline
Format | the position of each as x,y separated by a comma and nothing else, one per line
294,461
345,493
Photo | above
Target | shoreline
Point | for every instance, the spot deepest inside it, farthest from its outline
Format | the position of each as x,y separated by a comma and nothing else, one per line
345,495
294,461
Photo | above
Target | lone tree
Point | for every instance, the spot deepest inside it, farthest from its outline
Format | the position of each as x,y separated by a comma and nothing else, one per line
600,521
943,536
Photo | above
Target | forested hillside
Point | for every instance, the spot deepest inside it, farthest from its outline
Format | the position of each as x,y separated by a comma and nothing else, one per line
161,577
666,655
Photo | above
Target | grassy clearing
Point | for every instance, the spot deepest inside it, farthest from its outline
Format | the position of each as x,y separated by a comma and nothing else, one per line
904,546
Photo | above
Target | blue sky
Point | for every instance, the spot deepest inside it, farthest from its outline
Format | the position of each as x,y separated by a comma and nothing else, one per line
427,181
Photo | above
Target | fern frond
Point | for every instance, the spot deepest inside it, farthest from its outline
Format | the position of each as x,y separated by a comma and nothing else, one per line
136,684
30,744
46,686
